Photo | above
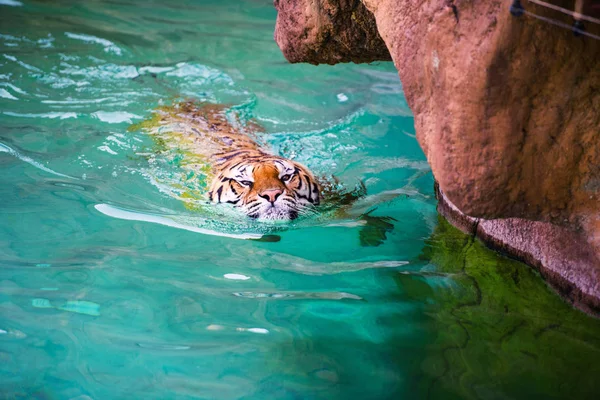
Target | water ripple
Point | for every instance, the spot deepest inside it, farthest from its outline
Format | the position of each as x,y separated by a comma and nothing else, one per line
109,46
5,94
49,115
120,213
298,295
12,3
5,149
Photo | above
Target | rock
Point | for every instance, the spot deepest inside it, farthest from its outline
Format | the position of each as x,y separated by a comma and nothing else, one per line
498,311
328,32
561,256
507,110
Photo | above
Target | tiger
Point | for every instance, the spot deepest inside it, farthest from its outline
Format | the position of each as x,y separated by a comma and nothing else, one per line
262,185
242,173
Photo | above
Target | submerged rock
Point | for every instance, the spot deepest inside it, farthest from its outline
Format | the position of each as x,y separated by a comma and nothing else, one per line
497,325
507,111
561,256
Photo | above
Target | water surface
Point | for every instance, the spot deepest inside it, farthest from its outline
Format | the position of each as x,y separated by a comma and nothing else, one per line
111,288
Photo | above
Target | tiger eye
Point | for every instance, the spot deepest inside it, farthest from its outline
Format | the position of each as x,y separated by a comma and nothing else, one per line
286,178
246,183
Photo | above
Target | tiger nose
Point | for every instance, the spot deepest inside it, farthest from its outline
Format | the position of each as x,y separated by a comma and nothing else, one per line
271,194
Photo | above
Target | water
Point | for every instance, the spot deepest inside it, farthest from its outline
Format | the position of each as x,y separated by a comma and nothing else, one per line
111,288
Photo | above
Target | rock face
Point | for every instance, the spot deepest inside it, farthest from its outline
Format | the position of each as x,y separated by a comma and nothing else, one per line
507,109
317,32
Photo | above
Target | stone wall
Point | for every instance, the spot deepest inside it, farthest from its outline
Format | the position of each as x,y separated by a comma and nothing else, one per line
507,111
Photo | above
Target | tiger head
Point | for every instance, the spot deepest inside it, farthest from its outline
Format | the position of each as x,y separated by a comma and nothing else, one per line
265,186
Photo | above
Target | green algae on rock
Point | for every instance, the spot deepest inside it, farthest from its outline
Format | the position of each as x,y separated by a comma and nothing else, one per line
499,325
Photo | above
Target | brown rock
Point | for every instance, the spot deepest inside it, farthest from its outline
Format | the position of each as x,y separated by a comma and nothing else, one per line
328,32
507,109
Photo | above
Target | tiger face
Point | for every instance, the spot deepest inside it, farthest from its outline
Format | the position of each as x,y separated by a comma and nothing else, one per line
264,186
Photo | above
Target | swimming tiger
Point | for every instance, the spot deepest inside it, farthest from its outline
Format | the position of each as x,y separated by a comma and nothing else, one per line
262,185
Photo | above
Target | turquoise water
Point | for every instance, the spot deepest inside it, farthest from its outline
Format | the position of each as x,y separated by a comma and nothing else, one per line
111,288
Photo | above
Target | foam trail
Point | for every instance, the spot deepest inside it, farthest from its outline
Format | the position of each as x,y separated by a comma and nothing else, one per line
156,219
5,149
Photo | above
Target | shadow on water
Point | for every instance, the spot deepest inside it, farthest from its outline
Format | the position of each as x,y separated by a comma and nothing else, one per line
498,331
335,369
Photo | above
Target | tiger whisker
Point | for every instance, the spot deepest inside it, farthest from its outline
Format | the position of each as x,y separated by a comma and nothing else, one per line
252,207
307,211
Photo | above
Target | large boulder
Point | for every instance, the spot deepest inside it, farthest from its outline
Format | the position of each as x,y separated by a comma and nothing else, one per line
317,32
507,110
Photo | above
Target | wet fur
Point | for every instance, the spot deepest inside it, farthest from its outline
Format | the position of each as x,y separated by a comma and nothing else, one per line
243,173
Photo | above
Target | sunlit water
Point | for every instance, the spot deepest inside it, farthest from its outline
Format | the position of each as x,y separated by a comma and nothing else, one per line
111,288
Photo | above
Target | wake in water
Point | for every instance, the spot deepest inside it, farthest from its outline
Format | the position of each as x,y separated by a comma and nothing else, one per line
181,166
5,149
179,172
